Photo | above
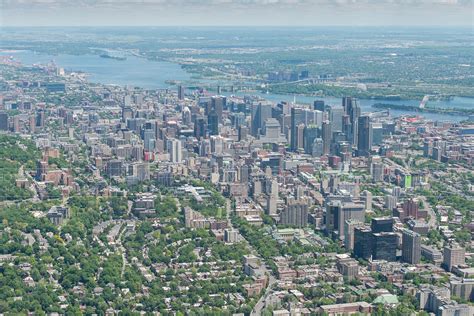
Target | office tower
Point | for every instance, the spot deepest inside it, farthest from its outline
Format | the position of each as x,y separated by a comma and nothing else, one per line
40,118
349,226
181,91
384,246
311,132
200,127
114,168
175,150
317,148
377,134
337,212
364,140
367,198
213,123
300,137
319,105
347,128
218,103
260,113
4,121
362,242
453,255
336,113
313,117
271,130
272,199
297,117
352,109
382,224
411,247
149,139
295,213
327,137
186,116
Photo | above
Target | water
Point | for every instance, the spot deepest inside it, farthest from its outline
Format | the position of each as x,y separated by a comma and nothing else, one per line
133,71
149,74
366,104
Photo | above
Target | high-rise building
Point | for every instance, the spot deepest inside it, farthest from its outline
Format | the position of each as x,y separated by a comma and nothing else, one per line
349,226
367,198
410,208
384,246
272,199
362,242
364,140
336,112
181,91
295,213
4,121
311,132
411,247
218,103
297,117
453,255
40,118
319,105
382,224
200,127
213,123
260,113
327,137
175,150
338,212
377,133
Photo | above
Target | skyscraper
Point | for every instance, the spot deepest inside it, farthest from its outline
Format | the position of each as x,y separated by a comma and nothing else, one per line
336,113
181,92
327,137
319,105
382,224
213,123
411,247
260,113
362,242
175,150
384,246
218,103
311,132
364,141
297,117
4,121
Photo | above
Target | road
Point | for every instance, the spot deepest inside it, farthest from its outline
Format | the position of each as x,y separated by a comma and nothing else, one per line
257,310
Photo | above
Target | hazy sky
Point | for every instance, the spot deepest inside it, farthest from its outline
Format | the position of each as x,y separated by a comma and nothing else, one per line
236,12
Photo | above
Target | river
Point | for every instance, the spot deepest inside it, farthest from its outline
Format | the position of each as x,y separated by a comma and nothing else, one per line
148,74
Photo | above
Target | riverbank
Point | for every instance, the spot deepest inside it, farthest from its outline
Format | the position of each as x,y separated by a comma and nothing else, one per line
411,108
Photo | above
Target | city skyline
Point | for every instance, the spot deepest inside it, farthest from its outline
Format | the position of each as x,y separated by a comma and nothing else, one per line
237,13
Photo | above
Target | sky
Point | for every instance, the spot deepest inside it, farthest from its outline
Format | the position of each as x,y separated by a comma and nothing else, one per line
236,12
